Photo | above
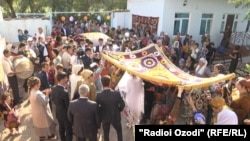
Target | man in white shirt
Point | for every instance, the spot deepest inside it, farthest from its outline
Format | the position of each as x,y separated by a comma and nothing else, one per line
33,51
43,51
8,69
40,34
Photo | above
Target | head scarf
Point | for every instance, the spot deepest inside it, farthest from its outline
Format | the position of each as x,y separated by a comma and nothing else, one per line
76,68
201,69
86,73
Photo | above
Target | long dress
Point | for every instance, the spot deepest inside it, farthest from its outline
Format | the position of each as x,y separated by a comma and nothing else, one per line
43,121
234,62
135,99
74,78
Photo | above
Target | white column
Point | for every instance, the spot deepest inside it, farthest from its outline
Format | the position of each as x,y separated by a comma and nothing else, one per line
1,14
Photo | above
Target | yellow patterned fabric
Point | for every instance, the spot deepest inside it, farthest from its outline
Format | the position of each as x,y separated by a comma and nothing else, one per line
152,65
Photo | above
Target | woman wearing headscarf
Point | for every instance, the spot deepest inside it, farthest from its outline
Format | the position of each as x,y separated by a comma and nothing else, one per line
235,55
87,78
202,70
219,71
215,89
199,96
43,121
241,106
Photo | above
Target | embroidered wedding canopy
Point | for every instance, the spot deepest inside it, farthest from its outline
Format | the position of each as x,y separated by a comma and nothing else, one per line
151,64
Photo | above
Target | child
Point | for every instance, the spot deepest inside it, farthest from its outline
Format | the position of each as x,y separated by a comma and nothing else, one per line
11,118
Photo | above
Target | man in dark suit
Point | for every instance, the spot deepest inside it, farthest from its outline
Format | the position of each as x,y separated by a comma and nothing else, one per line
85,120
87,59
64,30
60,97
100,46
43,76
110,104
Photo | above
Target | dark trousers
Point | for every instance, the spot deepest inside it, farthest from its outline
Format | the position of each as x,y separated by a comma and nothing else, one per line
50,103
209,119
14,86
65,129
149,100
117,126
85,139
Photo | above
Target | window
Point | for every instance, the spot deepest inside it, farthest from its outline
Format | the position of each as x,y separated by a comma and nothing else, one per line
229,20
181,23
206,23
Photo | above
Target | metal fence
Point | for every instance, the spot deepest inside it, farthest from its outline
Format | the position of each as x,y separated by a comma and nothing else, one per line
241,38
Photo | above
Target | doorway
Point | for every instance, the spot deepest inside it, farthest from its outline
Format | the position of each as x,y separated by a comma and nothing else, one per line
229,21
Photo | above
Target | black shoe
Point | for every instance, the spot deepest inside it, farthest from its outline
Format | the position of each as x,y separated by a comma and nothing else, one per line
52,137
42,138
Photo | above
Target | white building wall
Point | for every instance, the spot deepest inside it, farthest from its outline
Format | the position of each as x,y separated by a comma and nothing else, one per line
9,27
1,14
120,19
166,10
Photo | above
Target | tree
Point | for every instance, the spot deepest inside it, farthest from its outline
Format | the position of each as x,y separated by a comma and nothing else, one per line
243,4
10,5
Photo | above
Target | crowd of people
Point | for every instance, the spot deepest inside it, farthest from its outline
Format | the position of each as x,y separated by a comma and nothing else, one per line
72,74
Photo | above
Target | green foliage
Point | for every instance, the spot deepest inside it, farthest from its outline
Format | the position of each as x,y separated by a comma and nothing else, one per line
243,4
44,6
248,67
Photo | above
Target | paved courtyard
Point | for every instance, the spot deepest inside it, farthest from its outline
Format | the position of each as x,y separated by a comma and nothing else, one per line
28,133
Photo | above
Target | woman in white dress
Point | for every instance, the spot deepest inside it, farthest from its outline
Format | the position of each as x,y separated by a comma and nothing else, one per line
43,121
134,99
74,78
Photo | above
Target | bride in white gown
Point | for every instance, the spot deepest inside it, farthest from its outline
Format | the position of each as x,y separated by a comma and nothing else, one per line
133,88
74,77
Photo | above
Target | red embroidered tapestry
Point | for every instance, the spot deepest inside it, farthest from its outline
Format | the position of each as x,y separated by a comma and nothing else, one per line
145,23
